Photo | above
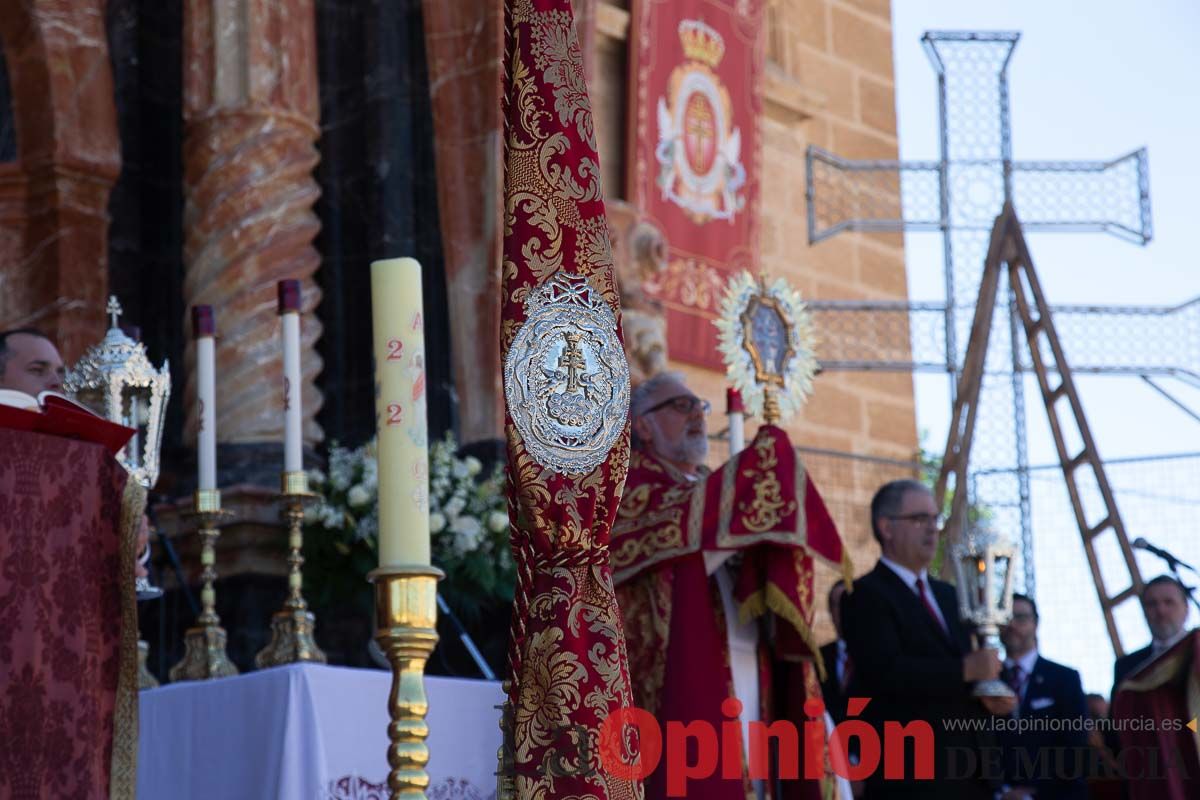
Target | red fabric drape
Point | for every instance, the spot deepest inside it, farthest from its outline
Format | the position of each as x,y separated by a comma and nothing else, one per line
567,659
1162,760
695,153
760,502
68,703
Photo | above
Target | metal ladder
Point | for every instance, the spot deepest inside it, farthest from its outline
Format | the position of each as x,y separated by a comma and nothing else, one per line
1009,254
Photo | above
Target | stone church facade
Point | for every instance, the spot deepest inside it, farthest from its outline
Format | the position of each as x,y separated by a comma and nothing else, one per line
184,153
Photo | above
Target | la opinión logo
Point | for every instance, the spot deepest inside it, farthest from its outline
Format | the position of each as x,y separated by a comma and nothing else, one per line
722,749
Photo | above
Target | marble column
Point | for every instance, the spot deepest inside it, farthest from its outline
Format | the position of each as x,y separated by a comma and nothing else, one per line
250,127
54,197
463,43
464,40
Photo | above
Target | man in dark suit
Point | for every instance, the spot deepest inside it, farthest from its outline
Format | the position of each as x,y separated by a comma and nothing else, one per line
839,669
913,658
1046,732
1165,604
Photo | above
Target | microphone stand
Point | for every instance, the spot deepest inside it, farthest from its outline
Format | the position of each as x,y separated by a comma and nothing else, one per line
1174,564
466,640
173,558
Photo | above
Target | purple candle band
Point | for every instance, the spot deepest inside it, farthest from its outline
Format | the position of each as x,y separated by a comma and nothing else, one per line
204,322
289,296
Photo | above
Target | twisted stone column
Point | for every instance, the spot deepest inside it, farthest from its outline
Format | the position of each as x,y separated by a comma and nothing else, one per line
463,45
54,197
251,116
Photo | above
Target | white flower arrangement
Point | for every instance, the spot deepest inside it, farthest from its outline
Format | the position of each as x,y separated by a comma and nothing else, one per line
468,522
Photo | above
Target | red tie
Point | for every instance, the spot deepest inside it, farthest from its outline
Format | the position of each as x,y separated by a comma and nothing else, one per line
929,606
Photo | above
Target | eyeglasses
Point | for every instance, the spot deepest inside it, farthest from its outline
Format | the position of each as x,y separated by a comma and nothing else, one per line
685,404
921,518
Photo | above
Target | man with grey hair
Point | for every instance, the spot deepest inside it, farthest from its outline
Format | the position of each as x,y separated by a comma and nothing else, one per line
699,558
670,423
912,655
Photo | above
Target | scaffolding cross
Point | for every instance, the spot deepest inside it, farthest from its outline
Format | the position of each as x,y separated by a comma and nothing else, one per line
960,195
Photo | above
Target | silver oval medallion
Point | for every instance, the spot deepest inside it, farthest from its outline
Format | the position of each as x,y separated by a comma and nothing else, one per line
566,379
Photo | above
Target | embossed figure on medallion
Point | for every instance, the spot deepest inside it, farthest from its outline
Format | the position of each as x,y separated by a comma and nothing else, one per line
566,377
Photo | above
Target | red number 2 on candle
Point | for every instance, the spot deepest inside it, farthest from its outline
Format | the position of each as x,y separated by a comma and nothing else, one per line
395,349
395,414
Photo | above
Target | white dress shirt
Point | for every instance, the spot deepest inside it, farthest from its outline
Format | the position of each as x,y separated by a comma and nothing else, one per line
1160,646
1026,663
910,580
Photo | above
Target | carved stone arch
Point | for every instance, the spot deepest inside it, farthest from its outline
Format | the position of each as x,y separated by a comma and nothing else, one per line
54,196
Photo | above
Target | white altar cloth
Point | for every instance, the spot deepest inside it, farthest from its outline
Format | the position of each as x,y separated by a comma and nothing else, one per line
308,732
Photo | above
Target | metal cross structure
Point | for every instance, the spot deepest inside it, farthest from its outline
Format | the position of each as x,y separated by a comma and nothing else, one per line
960,196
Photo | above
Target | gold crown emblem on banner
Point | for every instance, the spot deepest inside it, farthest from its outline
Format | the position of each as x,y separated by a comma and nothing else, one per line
701,42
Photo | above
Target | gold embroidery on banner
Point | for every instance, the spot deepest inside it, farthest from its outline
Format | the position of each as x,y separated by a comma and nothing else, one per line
646,607
690,283
695,534
123,763
768,508
664,541
728,487
635,502
549,691
546,181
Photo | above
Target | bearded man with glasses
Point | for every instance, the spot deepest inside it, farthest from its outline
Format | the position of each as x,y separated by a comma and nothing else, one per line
714,579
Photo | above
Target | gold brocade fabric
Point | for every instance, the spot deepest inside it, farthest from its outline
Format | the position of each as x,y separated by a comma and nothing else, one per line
123,781
567,658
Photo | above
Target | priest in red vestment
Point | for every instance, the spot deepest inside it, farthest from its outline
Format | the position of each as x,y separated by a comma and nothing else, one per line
699,557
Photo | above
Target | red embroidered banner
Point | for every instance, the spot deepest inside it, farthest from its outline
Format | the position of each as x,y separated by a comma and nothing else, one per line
568,664
694,153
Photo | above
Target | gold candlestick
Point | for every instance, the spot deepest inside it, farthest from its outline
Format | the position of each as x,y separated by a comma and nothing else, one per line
145,679
406,630
292,628
506,773
204,645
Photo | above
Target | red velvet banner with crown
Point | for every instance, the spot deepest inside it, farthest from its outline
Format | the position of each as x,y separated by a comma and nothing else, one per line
568,665
694,153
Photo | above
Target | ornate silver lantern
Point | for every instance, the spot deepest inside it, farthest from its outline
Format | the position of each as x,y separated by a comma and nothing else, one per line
983,568
116,380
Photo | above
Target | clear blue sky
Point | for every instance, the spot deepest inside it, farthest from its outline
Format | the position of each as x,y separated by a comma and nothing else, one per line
1087,81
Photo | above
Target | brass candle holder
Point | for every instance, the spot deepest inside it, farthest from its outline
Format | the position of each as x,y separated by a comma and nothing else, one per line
292,628
146,680
506,772
406,631
204,644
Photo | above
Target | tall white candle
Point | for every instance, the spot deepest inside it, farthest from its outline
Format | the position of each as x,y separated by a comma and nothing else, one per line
289,312
204,331
737,421
399,341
